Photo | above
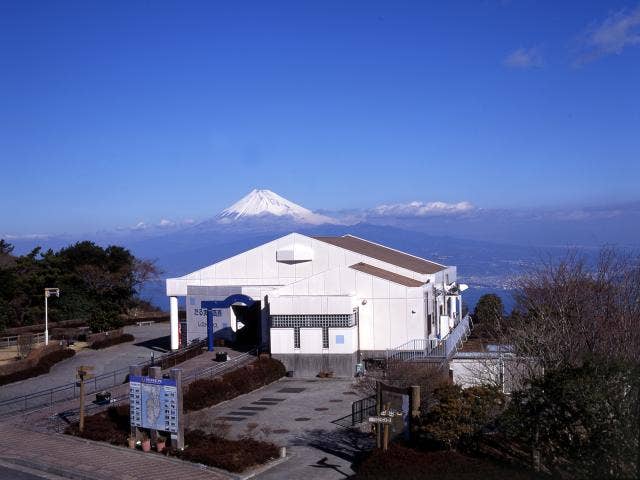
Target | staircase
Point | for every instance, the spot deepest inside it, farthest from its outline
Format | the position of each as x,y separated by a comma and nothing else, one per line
423,349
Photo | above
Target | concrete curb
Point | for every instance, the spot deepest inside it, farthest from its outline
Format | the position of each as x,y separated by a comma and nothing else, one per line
265,467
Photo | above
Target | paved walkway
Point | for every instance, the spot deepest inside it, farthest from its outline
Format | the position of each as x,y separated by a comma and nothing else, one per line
298,414
73,457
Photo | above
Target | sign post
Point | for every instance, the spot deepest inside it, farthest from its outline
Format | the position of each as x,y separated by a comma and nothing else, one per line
156,404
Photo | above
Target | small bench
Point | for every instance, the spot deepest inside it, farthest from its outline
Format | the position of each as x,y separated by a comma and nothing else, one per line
144,324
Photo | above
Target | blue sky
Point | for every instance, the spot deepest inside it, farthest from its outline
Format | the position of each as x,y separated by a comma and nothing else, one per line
118,112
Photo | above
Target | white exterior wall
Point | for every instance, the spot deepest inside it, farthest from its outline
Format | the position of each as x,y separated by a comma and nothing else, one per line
310,340
282,340
349,337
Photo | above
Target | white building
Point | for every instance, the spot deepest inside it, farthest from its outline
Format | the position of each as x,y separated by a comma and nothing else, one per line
320,303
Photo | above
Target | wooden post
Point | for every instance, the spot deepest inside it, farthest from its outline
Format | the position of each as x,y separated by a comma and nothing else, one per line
385,437
154,372
414,408
81,374
135,370
177,440
378,410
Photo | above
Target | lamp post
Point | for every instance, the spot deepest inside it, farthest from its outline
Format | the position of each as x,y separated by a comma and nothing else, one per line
48,292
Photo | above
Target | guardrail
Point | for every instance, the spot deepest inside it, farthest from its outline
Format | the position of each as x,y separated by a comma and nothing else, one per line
12,341
71,415
50,396
423,348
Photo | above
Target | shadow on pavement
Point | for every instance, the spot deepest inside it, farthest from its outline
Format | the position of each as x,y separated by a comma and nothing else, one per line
346,444
160,344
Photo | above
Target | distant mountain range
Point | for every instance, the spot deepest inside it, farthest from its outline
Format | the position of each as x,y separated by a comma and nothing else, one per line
489,247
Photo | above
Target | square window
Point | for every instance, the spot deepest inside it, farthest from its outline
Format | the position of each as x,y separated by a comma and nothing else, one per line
339,339
192,301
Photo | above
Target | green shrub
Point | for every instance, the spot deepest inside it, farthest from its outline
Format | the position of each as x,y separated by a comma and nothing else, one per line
232,455
583,421
456,417
208,392
402,463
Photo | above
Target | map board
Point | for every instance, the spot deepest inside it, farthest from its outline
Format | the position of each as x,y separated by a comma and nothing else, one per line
154,403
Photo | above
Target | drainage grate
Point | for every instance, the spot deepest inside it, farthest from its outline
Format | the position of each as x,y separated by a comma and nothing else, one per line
349,393
242,413
302,419
264,403
291,390
335,400
321,409
258,409
272,399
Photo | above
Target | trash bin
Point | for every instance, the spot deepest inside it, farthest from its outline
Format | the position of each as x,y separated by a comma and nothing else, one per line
221,357
103,398
289,373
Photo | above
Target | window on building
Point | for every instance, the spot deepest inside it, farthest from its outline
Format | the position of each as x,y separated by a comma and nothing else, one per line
325,337
313,321
296,337
339,339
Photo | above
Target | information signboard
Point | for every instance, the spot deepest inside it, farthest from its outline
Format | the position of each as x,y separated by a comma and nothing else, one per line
154,403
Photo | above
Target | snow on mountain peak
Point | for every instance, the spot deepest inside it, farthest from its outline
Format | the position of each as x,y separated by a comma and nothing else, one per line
265,202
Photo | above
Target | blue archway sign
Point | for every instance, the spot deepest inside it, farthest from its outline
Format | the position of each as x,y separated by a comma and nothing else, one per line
209,305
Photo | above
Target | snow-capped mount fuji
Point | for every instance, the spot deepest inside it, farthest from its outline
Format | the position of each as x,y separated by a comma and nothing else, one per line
264,204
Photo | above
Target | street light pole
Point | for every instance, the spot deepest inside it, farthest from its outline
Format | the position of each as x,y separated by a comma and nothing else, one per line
47,293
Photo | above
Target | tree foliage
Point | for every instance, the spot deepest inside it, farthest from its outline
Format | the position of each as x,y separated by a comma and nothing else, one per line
454,417
97,284
583,421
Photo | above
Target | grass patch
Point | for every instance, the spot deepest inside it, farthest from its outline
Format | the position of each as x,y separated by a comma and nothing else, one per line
111,341
43,366
208,392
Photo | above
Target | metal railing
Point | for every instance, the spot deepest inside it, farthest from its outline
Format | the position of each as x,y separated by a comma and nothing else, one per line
424,348
6,342
69,391
362,409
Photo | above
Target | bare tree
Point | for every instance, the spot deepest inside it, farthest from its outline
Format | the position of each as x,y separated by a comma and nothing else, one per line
568,312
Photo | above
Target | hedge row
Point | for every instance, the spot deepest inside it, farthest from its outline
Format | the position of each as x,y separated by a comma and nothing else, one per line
43,366
110,341
403,463
232,455
206,393
112,426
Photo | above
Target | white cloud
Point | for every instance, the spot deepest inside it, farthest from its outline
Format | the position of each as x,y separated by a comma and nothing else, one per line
524,58
618,31
166,223
422,209
140,226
